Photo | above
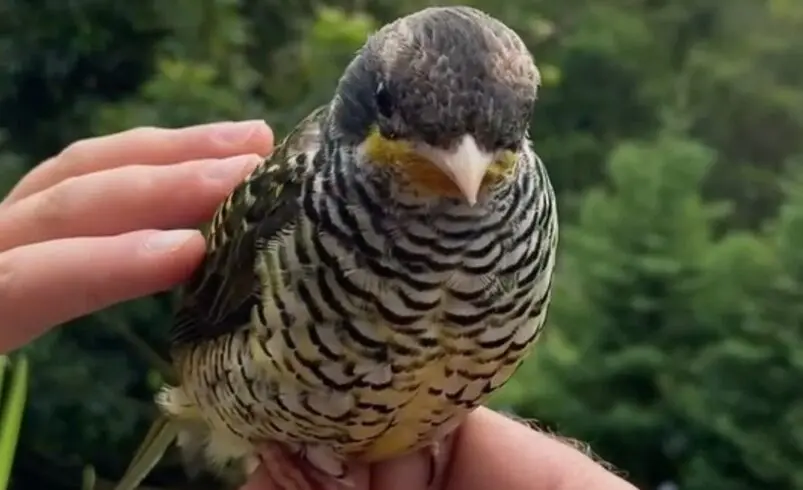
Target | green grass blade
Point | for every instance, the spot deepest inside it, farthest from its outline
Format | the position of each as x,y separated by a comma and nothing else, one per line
3,367
11,418
89,478
162,434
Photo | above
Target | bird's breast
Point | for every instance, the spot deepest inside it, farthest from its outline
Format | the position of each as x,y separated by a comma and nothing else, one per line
373,343
443,342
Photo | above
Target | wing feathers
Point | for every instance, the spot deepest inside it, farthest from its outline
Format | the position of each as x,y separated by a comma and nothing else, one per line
221,295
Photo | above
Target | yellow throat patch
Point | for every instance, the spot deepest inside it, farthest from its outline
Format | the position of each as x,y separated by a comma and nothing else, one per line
425,175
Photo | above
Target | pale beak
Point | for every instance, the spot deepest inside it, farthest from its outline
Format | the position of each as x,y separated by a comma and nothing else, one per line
466,165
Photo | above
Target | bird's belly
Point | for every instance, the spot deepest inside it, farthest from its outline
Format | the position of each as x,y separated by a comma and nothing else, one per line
428,405
384,409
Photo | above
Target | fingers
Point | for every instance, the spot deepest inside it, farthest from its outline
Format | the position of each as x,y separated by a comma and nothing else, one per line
147,146
410,472
493,451
124,199
490,451
281,471
263,479
52,282
260,480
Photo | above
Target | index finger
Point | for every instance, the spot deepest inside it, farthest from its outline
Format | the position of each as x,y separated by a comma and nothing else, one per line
493,451
147,146
49,283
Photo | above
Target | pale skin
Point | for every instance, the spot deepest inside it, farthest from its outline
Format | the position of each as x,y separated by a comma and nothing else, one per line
111,219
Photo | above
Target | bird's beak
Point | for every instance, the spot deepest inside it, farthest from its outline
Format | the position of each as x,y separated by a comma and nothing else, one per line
465,165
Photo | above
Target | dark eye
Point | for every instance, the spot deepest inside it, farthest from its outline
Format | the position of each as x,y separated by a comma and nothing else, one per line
384,102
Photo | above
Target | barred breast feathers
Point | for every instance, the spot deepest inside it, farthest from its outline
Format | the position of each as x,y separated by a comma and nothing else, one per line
447,299
378,325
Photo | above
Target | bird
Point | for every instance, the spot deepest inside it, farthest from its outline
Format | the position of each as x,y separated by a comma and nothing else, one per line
378,276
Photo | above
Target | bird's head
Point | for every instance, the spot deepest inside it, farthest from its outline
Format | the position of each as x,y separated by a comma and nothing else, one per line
442,97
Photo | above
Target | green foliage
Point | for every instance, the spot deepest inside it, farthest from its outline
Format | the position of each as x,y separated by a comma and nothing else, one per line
13,405
11,169
672,130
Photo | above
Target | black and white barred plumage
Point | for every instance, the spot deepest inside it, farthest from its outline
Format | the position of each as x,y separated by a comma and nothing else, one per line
345,309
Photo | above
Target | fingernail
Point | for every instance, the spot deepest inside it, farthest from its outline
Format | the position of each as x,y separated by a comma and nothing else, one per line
232,168
236,133
168,241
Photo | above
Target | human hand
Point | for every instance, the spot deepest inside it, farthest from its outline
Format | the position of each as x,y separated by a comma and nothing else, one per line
82,230
490,451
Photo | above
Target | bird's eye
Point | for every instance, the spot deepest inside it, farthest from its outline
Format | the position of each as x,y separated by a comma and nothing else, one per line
384,102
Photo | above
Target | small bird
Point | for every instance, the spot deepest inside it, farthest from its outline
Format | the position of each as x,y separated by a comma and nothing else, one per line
381,274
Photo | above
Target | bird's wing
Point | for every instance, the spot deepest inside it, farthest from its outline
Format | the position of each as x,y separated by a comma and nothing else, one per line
220,296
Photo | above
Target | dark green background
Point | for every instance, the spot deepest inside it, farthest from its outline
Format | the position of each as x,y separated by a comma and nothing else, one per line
673,130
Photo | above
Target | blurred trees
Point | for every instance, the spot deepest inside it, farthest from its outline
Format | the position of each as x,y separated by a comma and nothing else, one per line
673,131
